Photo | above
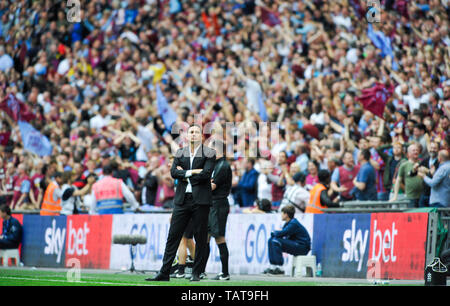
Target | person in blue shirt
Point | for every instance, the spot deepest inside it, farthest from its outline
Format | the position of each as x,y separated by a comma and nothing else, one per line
247,185
440,182
12,229
292,239
365,181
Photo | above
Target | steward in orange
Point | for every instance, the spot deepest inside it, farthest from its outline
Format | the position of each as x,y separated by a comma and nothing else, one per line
51,204
319,198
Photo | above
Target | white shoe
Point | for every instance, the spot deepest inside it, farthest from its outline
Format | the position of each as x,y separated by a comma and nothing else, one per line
222,276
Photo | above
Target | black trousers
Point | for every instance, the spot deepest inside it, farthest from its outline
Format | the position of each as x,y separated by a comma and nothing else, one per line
8,244
180,219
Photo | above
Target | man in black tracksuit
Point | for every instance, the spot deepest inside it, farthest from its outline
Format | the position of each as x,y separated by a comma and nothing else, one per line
12,229
221,186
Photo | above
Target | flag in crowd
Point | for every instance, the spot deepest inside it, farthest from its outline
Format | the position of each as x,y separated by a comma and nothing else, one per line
382,42
33,140
16,109
374,99
169,116
269,18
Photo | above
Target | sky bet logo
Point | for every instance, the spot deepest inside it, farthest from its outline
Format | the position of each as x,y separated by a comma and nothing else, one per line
355,245
373,11
54,241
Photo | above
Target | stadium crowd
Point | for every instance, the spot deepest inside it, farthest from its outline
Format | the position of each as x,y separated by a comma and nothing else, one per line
90,88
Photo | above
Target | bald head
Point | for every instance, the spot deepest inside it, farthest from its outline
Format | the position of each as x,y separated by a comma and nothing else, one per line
413,152
443,156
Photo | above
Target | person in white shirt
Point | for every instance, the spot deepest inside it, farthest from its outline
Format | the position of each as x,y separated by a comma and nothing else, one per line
100,120
416,98
70,200
296,194
264,186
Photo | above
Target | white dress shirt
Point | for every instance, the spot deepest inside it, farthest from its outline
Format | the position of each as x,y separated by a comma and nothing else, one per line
189,172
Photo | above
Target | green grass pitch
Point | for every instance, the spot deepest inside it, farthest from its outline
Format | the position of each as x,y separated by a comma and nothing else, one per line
38,277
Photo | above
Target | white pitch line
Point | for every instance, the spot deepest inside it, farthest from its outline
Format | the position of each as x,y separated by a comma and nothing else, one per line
62,280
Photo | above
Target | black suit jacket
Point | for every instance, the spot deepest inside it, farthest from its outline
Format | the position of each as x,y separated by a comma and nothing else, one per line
426,163
201,183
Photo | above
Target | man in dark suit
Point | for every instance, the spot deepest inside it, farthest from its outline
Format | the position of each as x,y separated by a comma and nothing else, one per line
192,166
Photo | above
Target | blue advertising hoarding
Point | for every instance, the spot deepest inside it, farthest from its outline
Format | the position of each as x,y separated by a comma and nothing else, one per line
44,240
341,244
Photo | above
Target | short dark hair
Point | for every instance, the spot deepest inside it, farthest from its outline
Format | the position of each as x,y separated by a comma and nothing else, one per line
265,205
420,126
366,154
6,209
323,175
289,210
108,169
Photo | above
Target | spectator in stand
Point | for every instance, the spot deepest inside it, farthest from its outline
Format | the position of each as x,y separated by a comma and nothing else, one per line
407,175
418,136
440,182
296,194
36,191
22,187
71,203
378,164
263,206
150,183
312,178
80,180
431,163
8,185
264,185
392,163
342,177
247,185
2,171
365,181
277,179
302,157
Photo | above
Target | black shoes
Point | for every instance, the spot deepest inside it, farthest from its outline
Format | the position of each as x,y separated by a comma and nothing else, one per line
222,276
195,278
276,271
178,274
267,271
159,278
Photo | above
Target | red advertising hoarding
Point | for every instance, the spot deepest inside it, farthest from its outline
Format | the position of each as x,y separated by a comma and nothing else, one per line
398,244
88,239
